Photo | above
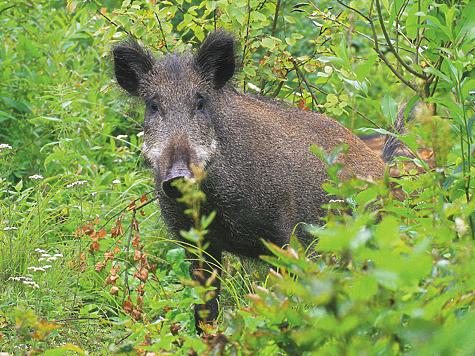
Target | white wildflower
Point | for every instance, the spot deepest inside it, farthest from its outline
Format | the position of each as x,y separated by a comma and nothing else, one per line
32,283
121,136
58,255
40,250
140,134
47,266
36,176
10,228
45,255
50,259
116,181
80,182
5,145
41,259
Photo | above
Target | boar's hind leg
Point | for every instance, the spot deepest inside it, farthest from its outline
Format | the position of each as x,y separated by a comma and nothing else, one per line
201,272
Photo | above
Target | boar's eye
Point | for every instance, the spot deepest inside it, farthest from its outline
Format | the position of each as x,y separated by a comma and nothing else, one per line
154,107
200,104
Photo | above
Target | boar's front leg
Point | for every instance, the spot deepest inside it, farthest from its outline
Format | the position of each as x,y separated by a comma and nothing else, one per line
201,271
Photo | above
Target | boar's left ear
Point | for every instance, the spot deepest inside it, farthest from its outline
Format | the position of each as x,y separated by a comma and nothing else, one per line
131,62
215,60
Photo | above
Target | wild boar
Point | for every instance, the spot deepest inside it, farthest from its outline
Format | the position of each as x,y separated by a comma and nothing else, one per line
262,179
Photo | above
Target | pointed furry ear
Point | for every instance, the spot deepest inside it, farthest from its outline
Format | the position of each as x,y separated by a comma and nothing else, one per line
215,60
131,62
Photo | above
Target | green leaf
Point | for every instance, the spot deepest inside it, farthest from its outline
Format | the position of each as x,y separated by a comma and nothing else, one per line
19,185
290,41
363,69
268,42
386,232
289,19
206,220
468,85
364,288
20,106
414,18
259,16
411,142
438,25
389,108
465,28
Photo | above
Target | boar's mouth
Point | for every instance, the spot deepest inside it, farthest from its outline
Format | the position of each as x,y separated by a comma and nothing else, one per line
178,171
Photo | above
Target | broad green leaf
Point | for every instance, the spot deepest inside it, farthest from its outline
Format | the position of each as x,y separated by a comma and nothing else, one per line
439,74
411,142
289,19
364,288
413,20
363,69
438,25
20,106
465,28
268,42
468,85
389,108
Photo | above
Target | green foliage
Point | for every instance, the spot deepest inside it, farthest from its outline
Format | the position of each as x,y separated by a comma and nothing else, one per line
85,264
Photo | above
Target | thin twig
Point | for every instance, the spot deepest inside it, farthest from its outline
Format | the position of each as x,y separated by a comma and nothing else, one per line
309,87
31,142
116,25
8,7
161,30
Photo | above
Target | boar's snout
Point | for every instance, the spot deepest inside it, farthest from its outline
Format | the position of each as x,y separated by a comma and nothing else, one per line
178,171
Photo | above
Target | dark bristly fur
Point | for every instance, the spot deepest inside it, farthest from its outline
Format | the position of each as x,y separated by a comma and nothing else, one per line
262,179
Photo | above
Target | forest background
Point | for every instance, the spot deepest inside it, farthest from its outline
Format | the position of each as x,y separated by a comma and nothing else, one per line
86,266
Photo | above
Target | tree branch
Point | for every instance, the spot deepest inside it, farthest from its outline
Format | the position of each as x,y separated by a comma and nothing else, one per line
392,49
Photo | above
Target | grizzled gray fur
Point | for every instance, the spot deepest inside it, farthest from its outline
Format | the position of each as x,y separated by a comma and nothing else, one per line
262,179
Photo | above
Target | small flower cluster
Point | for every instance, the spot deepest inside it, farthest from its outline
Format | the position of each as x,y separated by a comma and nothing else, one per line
36,176
5,146
79,182
10,228
45,256
26,280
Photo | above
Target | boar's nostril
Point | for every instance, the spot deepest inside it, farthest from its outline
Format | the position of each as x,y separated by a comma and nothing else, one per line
170,190
178,171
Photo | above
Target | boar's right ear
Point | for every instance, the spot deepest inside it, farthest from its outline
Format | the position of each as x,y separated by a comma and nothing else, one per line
215,60
131,62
